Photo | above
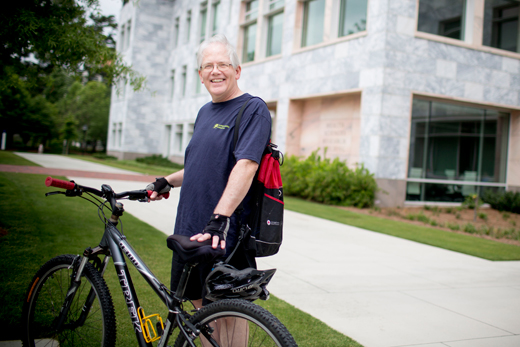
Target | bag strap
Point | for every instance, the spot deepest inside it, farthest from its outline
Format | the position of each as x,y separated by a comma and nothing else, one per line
240,207
237,122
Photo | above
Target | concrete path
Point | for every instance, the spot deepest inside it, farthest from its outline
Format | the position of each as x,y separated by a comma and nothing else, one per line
380,290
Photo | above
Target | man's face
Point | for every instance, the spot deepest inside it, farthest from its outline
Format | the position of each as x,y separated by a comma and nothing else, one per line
221,84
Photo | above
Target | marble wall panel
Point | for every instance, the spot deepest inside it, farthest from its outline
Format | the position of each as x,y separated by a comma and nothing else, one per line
511,65
391,167
388,64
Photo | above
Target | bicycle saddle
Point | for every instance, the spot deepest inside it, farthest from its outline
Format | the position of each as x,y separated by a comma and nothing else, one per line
193,251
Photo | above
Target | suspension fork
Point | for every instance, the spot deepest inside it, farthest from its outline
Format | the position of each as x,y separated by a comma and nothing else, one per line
74,285
92,254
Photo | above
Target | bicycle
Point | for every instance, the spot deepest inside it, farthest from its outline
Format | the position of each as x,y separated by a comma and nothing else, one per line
68,302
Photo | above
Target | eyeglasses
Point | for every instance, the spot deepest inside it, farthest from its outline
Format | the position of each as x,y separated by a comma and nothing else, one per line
220,66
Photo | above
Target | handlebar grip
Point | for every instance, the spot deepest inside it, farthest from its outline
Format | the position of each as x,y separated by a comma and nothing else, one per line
53,182
165,195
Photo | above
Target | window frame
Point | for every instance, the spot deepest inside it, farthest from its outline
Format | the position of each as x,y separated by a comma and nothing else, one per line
330,29
260,17
176,31
497,22
128,33
216,6
473,31
479,184
245,25
267,16
203,21
172,85
187,33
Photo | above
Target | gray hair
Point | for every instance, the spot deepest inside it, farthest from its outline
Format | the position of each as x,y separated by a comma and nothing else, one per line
218,39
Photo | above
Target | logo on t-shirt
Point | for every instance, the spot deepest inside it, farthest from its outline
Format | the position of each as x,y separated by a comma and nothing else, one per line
220,126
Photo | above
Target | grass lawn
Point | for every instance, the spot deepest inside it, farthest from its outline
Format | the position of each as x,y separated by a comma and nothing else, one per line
35,228
131,165
467,244
9,158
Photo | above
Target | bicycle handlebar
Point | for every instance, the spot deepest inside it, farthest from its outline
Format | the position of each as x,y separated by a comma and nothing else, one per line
53,182
71,185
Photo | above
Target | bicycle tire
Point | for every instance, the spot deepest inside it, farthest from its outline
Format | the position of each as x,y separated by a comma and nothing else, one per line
45,297
265,330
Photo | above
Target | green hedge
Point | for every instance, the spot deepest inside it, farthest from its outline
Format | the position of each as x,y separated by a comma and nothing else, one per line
503,201
328,181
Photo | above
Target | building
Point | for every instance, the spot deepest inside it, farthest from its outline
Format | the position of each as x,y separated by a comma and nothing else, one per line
424,93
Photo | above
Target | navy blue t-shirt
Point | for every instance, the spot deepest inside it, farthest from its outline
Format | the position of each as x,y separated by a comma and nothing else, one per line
210,157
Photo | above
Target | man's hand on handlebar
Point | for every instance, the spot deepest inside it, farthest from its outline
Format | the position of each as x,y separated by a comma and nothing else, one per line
160,188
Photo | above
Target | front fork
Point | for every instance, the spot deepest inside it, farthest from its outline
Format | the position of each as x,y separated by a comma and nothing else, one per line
77,273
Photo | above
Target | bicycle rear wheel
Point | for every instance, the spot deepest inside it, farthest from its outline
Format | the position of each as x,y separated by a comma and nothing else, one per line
44,300
235,322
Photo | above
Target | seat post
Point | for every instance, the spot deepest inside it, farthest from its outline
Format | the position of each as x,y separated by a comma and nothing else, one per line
181,287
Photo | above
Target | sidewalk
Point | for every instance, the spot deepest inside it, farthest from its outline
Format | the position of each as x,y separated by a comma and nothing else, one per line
380,290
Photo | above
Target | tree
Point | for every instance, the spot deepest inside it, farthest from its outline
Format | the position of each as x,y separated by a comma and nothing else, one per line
40,37
94,106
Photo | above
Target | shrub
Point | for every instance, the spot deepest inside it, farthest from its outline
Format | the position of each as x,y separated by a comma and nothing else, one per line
103,156
482,215
503,201
485,230
454,226
422,218
469,201
328,181
470,228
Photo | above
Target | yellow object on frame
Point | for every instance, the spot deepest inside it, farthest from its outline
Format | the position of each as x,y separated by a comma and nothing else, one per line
147,326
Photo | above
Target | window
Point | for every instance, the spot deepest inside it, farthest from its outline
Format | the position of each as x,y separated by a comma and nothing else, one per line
127,37
203,20
123,88
122,40
216,13
190,132
198,84
188,27
251,15
313,22
352,17
178,144
172,86
464,146
501,29
444,18
113,137
167,144
274,27
176,32
184,81
120,135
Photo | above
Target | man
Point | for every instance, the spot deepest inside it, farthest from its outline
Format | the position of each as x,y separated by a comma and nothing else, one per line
217,176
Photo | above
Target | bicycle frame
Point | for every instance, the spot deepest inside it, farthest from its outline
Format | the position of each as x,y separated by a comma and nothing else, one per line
114,244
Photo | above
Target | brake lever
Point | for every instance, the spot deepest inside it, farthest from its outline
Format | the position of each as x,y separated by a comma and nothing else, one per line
54,193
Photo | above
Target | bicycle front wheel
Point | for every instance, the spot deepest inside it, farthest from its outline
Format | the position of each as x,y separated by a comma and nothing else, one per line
234,322
90,320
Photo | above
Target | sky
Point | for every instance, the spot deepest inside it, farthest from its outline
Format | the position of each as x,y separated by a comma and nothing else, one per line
111,7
